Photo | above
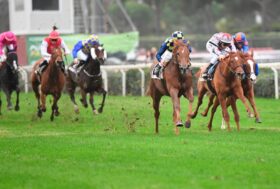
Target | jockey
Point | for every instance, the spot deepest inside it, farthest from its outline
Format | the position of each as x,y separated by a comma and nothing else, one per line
47,46
81,50
219,45
164,54
241,42
8,42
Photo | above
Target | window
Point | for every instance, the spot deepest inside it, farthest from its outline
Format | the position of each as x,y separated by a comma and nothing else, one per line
45,5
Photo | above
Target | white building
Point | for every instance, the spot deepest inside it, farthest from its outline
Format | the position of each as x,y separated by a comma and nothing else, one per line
38,16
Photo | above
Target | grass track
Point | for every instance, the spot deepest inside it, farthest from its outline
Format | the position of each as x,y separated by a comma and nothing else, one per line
118,149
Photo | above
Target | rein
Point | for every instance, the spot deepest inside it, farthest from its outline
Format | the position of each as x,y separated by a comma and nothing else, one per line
92,75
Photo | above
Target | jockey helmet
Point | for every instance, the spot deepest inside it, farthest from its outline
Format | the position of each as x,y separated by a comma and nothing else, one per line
226,38
240,37
54,34
93,37
178,35
10,36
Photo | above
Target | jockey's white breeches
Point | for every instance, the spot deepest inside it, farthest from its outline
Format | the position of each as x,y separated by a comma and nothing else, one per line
82,56
166,56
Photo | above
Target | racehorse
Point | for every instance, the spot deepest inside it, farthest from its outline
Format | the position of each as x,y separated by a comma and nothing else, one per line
51,82
9,79
226,82
89,79
177,81
249,67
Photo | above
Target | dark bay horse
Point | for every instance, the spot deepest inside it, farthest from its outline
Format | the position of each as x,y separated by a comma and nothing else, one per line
177,81
89,79
249,67
9,79
226,82
51,83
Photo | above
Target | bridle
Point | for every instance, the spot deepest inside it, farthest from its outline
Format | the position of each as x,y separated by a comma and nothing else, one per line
233,69
183,68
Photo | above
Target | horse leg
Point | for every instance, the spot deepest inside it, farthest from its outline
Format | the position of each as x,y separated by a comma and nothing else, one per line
213,110
251,99
190,98
156,96
201,93
71,87
8,96
35,87
56,112
17,100
104,93
176,109
0,104
91,102
84,98
43,102
240,95
236,115
210,103
222,101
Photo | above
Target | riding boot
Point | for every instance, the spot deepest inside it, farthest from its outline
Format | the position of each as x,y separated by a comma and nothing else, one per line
205,74
157,70
41,68
79,65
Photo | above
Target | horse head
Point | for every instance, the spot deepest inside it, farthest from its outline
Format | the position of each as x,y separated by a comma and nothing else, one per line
98,53
250,66
234,63
12,61
56,57
181,55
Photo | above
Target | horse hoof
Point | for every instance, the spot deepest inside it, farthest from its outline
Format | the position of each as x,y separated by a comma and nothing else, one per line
100,110
250,115
193,116
203,114
179,124
56,113
223,127
43,109
187,124
10,107
76,109
258,120
16,108
39,114
52,118
95,112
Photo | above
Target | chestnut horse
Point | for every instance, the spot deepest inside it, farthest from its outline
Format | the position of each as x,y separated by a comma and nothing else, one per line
9,79
226,82
247,85
177,81
89,79
51,82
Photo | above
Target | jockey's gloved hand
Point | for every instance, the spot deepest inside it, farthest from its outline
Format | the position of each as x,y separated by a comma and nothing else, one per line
76,61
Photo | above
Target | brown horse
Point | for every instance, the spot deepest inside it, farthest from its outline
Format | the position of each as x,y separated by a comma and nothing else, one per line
226,82
89,79
247,85
177,81
51,82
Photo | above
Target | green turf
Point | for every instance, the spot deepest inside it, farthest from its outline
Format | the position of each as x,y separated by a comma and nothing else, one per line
118,149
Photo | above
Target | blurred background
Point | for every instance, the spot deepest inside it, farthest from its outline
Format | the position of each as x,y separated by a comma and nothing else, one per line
132,30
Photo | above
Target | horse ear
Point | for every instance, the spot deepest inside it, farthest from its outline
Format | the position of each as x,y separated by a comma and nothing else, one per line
92,53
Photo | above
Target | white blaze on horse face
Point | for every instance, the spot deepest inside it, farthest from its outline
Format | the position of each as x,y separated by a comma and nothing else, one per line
105,54
253,77
15,65
236,58
92,53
